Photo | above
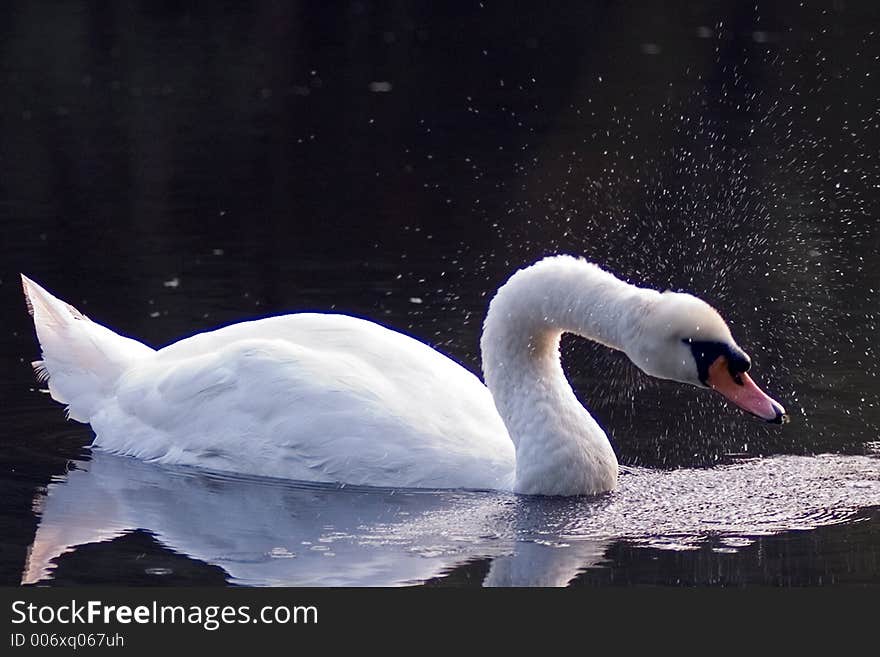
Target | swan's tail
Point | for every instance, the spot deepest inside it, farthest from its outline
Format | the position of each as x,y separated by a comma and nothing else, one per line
82,360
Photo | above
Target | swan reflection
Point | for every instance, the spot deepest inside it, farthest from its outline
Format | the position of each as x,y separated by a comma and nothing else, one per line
273,533
270,532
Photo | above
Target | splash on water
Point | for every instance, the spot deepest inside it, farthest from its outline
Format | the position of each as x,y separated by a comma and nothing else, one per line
391,537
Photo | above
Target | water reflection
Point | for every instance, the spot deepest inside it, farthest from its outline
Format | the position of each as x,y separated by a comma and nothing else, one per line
267,532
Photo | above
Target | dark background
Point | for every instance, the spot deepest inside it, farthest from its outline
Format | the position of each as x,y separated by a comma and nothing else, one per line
169,167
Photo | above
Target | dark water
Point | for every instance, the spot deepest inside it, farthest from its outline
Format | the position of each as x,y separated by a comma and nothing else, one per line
170,169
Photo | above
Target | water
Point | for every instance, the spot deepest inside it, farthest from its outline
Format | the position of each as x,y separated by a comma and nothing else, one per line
170,170
280,533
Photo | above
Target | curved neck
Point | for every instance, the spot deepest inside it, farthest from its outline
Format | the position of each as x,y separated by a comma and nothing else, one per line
560,449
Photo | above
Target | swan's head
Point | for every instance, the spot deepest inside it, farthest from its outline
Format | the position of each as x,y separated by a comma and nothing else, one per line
682,338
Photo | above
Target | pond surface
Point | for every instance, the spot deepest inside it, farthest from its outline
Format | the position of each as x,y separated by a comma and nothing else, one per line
170,170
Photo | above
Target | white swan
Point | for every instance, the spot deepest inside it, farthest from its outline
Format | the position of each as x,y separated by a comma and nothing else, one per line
322,397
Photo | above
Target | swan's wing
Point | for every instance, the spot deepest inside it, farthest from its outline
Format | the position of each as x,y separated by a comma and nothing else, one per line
327,400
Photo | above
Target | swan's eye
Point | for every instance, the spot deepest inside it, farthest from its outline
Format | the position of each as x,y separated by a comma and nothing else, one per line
738,362
705,353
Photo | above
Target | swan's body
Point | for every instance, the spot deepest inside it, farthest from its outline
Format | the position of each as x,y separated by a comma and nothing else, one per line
311,397
333,398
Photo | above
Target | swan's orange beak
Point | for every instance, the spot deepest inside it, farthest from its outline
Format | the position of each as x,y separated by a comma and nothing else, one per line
742,391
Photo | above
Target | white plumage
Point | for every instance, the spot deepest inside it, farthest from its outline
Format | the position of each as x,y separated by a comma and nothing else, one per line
323,397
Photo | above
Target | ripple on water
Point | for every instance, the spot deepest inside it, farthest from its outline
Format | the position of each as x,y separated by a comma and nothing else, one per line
757,497
382,537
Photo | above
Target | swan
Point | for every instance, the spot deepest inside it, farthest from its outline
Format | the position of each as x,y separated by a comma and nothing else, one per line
334,398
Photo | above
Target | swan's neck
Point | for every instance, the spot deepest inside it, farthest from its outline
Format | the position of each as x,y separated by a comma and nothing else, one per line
560,449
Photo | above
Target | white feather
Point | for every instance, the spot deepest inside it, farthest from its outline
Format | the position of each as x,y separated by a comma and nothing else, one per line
322,397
